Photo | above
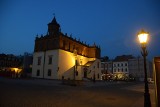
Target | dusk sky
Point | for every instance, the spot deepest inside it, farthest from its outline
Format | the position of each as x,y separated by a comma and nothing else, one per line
112,24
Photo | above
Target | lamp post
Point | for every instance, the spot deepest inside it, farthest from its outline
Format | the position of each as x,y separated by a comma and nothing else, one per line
75,66
143,37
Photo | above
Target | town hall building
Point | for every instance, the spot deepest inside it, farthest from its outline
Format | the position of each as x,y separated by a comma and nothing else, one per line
59,56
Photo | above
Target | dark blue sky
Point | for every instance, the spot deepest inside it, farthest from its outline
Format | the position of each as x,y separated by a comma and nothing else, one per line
112,24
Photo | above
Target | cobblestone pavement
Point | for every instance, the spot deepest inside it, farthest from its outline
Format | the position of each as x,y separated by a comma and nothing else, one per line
51,93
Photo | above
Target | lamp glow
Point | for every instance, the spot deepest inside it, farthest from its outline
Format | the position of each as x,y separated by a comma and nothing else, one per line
143,37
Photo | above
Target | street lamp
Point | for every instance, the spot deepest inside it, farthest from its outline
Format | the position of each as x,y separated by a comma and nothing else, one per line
75,66
143,37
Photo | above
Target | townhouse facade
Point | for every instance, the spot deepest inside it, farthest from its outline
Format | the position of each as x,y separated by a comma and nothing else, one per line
136,68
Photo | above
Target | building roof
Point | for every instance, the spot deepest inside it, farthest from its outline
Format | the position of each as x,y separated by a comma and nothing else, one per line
123,58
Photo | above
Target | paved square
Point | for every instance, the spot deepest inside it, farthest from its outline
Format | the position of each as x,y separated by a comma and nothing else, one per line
51,93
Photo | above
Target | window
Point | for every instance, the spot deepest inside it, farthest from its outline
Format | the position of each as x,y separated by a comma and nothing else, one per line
114,65
76,73
118,65
49,72
126,69
122,64
125,64
50,60
114,70
39,61
38,72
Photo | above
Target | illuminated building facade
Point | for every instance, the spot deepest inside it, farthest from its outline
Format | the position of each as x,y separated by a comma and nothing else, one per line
120,67
59,56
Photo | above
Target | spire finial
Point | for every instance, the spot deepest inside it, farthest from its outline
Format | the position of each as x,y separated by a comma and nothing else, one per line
54,19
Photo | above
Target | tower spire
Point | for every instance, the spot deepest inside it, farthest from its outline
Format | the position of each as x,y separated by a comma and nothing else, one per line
53,26
54,20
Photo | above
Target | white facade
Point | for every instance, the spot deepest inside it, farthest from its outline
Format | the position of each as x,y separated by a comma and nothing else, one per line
120,69
58,64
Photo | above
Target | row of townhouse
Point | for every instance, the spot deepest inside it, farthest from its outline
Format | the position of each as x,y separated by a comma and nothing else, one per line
124,67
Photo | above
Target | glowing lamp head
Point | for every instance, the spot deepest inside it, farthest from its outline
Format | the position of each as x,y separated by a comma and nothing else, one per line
143,37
